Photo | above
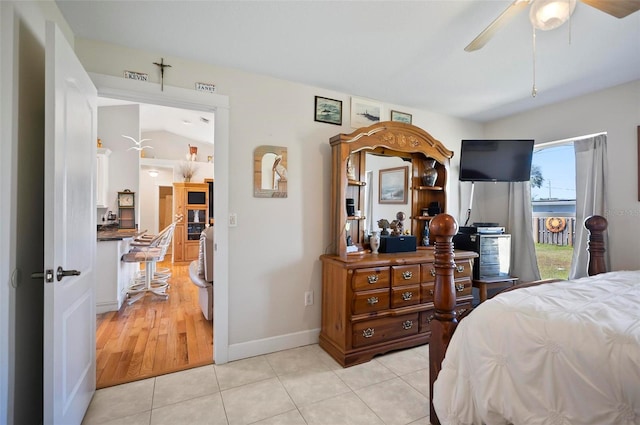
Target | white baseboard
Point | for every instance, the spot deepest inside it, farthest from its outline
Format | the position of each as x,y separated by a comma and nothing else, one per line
258,347
104,307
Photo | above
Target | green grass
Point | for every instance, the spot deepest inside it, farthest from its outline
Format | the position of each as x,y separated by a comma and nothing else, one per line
554,261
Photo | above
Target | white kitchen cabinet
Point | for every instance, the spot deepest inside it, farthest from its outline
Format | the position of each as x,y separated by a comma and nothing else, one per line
102,178
113,275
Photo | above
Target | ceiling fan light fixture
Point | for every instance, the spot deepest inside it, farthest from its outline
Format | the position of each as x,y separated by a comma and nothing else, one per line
550,14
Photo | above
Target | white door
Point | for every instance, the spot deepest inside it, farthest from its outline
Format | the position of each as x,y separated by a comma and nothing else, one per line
70,234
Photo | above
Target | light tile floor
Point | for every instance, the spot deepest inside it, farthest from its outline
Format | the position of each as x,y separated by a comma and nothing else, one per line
293,387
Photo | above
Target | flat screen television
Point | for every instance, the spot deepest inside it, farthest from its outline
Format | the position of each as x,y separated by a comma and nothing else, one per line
496,160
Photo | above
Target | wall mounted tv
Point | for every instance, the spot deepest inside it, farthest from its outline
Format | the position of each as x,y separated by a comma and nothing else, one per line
495,160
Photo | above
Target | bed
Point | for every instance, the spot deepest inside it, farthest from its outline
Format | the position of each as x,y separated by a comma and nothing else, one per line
563,352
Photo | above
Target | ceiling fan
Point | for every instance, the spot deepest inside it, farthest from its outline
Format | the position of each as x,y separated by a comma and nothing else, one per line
550,14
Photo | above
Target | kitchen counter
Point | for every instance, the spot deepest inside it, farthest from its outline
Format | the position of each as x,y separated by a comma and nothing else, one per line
112,234
113,276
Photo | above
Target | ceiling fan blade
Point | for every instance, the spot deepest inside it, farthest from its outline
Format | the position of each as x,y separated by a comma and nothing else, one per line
498,23
617,8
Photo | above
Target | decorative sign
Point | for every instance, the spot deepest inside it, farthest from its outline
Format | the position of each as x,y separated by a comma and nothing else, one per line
209,88
139,76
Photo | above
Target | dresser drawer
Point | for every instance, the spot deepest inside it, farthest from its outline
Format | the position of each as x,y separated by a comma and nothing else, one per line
402,296
370,301
427,291
380,330
462,286
427,273
405,275
462,308
463,268
370,278
427,317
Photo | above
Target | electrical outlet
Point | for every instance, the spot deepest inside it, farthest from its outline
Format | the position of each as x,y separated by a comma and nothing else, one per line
233,220
308,298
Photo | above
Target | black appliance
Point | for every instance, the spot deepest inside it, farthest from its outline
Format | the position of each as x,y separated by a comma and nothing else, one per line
494,253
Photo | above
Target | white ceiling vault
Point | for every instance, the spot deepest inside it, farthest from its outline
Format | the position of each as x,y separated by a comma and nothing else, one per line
195,125
408,53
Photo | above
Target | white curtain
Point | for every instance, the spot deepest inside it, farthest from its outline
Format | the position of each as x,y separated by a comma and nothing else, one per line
591,189
524,264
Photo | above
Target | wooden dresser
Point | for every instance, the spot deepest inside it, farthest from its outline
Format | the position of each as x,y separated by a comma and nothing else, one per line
377,303
374,303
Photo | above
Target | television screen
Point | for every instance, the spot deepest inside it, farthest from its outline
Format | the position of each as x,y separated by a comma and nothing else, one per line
496,160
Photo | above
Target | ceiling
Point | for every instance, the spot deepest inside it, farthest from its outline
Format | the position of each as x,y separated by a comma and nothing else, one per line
195,125
408,53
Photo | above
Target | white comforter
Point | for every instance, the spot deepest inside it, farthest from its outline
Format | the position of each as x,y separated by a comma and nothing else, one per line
558,353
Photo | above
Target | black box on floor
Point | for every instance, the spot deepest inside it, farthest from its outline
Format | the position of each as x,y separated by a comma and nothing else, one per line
390,244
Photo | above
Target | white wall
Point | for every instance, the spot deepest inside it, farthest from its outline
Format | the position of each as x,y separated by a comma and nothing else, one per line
615,111
113,122
273,253
167,145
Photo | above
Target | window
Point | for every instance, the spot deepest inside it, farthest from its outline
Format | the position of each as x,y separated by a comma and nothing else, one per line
553,198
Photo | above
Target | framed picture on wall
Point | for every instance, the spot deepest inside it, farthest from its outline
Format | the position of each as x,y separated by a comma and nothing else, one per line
364,112
393,185
328,110
401,117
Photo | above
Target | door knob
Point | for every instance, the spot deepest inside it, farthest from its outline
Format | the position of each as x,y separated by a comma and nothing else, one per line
60,273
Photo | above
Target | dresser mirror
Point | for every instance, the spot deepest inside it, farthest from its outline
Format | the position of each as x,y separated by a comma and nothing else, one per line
373,209
354,182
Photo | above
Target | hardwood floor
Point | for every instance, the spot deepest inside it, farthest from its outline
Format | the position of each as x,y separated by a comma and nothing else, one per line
154,336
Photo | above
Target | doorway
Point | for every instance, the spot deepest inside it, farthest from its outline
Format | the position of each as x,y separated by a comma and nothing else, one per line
119,88
165,206
154,336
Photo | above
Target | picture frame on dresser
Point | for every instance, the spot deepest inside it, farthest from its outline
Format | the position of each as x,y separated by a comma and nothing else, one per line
393,185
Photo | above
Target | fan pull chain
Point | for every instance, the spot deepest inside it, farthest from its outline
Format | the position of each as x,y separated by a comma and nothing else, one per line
570,28
534,90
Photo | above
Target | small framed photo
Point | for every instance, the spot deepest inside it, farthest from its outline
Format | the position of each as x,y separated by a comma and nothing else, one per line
401,117
328,110
364,112
392,187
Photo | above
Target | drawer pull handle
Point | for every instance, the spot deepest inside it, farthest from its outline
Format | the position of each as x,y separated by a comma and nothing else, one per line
459,287
430,318
459,269
408,324
406,296
433,272
372,278
372,300
368,333
431,292
407,275
461,311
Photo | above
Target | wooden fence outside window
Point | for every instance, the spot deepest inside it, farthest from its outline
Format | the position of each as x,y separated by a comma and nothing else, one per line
554,230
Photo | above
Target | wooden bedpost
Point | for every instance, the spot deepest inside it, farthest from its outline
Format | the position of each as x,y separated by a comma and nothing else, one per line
596,225
442,228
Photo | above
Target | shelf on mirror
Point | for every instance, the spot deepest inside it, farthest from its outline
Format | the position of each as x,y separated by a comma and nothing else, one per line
356,183
436,188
